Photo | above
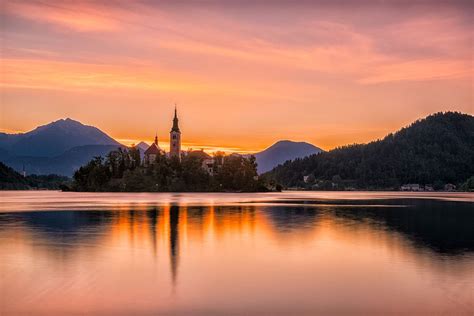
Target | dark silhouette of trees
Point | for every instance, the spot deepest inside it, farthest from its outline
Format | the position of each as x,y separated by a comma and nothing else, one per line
12,180
95,174
122,170
238,173
436,150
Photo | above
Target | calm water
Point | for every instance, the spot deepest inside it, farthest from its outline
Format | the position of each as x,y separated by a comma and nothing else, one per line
288,253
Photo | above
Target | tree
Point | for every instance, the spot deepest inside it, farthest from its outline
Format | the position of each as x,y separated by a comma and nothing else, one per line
135,159
437,148
93,176
122,171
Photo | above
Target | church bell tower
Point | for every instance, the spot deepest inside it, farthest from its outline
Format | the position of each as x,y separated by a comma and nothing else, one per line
175,137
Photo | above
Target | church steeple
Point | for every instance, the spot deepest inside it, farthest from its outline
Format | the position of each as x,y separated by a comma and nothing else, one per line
175,137
156,139
175,127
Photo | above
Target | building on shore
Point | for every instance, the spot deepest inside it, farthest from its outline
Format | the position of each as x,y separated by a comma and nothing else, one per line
209,163
411,187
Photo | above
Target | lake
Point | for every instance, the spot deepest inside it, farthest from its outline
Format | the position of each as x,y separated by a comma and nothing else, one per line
290,253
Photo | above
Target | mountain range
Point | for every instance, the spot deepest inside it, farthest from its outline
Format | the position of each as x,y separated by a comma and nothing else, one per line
63,146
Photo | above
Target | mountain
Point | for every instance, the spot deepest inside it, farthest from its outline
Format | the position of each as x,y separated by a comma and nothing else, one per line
56,148
64,164
282,151
435,150
53,139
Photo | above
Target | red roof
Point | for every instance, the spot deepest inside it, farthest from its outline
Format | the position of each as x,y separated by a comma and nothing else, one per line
153,150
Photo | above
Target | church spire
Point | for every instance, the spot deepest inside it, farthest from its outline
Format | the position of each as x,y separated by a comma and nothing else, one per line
156,139
175,127
175,137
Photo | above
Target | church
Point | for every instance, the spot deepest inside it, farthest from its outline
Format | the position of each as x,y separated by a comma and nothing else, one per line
175,144
209,163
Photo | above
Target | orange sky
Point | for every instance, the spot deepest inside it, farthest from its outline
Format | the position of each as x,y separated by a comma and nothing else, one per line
244,74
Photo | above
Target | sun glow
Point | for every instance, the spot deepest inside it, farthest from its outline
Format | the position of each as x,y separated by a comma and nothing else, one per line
309,72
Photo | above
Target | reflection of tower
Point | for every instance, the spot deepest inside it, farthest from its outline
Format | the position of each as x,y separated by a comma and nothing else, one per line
175,137
153,216
174,241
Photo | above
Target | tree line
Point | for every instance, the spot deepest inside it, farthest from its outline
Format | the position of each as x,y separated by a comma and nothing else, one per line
122,170
12,180
433,151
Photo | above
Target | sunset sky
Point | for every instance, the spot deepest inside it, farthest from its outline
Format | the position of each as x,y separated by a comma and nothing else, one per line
243,73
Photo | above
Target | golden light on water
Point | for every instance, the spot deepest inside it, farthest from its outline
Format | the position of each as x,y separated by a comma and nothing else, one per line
179,253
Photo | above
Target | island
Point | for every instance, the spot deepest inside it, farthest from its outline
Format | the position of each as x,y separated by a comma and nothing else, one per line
124,170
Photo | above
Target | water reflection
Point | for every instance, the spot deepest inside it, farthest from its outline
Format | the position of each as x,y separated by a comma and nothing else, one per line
174,241
444,227
243,247
290,219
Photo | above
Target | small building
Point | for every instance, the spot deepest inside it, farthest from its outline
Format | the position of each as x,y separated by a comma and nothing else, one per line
207,160
152,153
411,187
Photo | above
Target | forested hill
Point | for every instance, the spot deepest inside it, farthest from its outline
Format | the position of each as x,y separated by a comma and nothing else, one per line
435,150
12,180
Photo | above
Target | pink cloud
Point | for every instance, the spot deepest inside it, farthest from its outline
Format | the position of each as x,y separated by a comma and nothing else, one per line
74,17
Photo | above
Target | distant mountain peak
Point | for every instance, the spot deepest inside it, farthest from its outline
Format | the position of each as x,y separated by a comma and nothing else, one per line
290,142
282,151
54,139
68,122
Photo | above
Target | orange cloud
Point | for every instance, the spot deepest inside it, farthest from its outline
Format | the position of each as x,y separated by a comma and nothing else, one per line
45,74
246,76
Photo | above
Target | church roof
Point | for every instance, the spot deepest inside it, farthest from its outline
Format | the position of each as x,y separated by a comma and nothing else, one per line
199,154
153,150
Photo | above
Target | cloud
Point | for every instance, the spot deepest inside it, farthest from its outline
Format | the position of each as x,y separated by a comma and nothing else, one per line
420,70
290,67
73,17
46,74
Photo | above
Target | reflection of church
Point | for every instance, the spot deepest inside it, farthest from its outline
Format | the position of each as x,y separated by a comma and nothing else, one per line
208,162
